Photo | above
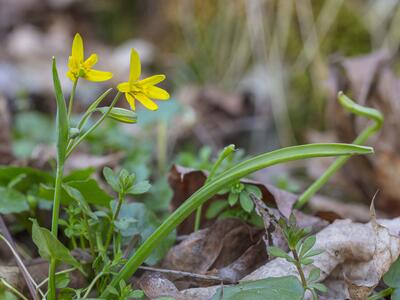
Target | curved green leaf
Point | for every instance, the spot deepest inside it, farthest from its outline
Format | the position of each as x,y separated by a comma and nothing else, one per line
62,127
283,288
224,179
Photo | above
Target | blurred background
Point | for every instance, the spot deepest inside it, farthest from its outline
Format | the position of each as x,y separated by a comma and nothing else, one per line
261,74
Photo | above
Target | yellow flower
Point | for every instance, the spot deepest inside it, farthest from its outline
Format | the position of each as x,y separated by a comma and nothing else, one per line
78,67
142,90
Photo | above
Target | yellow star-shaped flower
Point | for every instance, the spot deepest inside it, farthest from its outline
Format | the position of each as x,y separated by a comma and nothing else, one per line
78,67
142,90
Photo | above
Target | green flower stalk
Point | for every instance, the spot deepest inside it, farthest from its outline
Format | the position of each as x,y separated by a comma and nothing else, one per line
358,110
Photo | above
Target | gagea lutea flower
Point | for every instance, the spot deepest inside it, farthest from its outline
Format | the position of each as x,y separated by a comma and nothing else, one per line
142,90
79,67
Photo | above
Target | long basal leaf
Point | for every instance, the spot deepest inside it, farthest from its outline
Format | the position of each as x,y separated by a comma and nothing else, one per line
61,118
225,179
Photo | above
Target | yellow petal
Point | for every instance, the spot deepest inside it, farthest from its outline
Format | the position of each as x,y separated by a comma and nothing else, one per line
157,93
95,75
124,87
73,64
135,68
152,80
149,104
91,61
71,76
131,100
77,48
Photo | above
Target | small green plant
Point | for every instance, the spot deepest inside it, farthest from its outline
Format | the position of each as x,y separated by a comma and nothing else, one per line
120,236
300,247
68,138
123,184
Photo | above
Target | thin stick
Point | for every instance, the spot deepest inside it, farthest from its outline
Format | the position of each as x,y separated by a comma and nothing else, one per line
25,273
12,289
182,274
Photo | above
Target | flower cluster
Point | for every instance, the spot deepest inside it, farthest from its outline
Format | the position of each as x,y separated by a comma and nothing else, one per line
134,89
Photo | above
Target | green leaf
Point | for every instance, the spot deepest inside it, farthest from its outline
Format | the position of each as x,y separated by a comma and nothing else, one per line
137,219
33,176
245,202
282,288
120,114
111,179
90,190
306,261
227,178
392,277
62,280
314,275
250,188
216,208
233,198
18,179
139,188
395,295
12,201
313,252
51,248
307,245
137,294
62,126
278,252
80,174
76,195
318,286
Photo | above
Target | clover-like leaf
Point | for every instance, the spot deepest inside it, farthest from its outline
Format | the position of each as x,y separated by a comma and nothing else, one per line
307,245
314,275
245,202
139,188
111,179
278,252
233,198
250,188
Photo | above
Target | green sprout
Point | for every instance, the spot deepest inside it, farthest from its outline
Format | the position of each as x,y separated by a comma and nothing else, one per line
301,248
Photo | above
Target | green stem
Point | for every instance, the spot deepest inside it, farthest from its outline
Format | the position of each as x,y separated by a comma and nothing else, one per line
71,98
88,112
54,226
220,181
90,237
299,269
92,285
12,289
92,108
91,129
370,113
52,279
58,273
221,157
382,294
74,244
332,169
113,218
